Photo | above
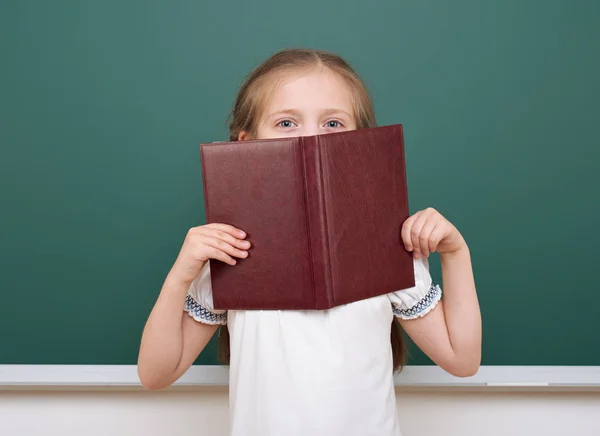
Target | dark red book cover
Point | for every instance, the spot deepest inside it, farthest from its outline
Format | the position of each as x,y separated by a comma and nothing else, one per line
324,215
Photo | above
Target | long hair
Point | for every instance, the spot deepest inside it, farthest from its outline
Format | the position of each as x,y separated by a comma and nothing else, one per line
247,111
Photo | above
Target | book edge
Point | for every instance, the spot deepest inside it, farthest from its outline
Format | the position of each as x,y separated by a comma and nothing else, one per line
206,203
400,129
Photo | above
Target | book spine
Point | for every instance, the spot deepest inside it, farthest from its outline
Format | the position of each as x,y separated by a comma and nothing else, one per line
317,222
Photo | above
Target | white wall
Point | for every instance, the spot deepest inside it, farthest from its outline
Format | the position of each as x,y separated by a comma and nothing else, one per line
203,411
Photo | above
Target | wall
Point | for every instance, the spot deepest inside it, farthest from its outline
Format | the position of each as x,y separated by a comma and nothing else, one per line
203,411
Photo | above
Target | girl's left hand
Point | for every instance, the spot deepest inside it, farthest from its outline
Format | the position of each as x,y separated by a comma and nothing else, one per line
427,231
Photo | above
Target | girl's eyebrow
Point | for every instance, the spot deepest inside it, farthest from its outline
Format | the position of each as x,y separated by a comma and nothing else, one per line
336,111
292,112
296,113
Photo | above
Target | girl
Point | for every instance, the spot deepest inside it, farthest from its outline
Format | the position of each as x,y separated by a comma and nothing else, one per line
312,373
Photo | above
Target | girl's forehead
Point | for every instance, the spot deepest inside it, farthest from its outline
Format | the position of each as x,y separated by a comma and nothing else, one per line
312,89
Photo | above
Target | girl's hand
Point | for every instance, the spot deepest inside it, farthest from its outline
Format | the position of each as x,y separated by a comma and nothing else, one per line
427,231
211,241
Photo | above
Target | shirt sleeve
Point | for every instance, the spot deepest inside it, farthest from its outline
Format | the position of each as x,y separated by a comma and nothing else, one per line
199,301
419,300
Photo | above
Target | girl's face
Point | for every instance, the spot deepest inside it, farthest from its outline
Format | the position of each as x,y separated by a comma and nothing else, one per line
307,104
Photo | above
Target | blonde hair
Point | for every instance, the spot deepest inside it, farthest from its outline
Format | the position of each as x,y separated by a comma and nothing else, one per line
255,90
247,112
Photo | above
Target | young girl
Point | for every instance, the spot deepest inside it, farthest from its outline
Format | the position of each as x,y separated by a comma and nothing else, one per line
312,373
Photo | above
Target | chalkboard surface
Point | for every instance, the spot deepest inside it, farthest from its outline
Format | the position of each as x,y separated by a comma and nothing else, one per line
103,106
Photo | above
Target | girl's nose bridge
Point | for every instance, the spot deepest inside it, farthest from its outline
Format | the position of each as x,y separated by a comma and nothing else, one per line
310,129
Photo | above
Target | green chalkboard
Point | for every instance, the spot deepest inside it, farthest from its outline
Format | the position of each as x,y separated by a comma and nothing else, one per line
103,105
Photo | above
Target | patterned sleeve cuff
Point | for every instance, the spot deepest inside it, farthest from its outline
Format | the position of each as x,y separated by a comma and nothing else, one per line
202,314
422,307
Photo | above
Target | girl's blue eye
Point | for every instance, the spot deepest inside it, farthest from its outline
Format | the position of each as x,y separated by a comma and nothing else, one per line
285,123
333,124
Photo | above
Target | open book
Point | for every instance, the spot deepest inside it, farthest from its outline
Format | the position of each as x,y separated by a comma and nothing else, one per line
323,213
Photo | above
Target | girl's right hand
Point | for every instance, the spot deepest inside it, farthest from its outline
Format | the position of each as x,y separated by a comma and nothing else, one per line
211,241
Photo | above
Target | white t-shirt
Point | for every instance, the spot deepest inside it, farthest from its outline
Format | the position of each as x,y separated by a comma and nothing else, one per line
313,373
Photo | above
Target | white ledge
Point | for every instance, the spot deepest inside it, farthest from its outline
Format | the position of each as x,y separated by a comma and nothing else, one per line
125,376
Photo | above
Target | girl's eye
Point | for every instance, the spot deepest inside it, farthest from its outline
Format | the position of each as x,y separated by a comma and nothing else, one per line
285,123
332,124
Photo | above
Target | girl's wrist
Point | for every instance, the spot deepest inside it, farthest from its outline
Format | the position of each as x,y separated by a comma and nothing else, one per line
176,279
461,251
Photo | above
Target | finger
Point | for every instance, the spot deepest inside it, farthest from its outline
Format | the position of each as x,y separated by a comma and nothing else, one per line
223,246
406,230
233,231
215,253
425,236
415,234
431,220
227,237
436,236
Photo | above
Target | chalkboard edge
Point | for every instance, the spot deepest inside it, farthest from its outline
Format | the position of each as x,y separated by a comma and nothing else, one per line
86,377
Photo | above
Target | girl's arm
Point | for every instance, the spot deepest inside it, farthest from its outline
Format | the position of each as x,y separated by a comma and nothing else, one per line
172,340
450,334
